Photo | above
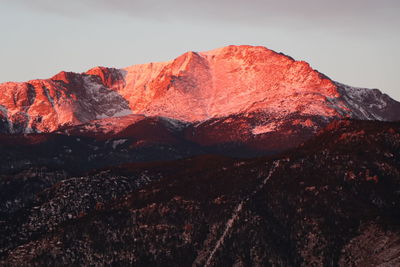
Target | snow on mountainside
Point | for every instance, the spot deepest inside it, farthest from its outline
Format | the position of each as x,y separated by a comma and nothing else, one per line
65,99
369,104
112,127
194,87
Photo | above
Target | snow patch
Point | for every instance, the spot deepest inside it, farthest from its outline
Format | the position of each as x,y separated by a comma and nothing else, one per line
110,125
106,103
115,113
174,124
363,102
118,142
3,111
47,93
262,129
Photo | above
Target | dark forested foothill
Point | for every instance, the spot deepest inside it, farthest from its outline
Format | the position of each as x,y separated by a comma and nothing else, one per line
332,201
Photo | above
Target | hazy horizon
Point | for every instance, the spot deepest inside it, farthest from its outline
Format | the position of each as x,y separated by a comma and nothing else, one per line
352,42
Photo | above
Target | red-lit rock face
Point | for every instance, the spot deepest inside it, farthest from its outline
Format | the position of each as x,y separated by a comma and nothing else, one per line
65,99
193,87
199,86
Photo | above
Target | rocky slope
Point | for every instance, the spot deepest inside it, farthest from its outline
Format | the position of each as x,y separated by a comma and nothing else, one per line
99,144
65,99
334,201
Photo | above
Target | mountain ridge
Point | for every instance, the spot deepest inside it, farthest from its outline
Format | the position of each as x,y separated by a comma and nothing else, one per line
194,87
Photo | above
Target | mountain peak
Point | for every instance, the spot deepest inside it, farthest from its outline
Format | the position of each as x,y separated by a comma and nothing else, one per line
110,77
63,76
236,48
221,82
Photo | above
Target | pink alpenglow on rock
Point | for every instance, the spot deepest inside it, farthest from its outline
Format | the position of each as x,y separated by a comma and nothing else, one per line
194,87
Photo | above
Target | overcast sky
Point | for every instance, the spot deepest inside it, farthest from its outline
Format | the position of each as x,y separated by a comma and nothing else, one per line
355,41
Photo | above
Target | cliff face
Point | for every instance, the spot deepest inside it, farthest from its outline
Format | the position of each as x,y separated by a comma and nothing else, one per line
194,87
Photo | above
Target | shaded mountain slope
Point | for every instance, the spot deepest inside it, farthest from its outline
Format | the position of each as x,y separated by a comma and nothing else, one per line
333,201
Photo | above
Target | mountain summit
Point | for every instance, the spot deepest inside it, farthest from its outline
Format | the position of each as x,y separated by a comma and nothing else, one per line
194,87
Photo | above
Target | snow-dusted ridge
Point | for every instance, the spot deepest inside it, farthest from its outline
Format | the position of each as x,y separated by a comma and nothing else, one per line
369,104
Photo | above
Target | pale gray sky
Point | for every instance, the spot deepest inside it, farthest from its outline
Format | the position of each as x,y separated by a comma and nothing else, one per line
355,41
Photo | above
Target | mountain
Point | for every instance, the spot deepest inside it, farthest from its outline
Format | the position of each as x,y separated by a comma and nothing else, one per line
238,156
195,87
239,101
